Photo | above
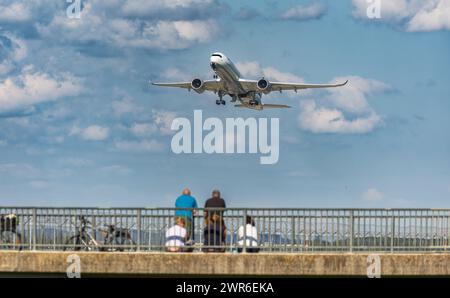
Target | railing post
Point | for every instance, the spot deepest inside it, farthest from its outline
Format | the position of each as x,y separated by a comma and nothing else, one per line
351,230
392,233
293,232
448,233
244,247
94,227
34,229
138,227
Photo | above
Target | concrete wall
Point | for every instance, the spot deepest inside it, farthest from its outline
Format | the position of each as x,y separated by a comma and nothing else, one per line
318,264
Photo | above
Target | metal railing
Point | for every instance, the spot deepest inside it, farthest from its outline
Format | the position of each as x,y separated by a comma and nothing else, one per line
278,230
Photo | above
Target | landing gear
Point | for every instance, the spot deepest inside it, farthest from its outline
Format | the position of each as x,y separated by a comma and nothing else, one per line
220,101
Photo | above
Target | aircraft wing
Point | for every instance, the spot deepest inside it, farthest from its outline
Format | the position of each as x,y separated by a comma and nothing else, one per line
210,85
251,85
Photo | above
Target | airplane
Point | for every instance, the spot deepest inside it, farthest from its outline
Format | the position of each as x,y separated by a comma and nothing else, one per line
227,80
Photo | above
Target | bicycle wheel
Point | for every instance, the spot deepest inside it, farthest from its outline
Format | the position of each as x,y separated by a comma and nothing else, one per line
75,243
93,246
128,245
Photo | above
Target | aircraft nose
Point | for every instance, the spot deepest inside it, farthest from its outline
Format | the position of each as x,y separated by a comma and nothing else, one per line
214,59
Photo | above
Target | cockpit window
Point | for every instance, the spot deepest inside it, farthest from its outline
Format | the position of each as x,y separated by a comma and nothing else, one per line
217,55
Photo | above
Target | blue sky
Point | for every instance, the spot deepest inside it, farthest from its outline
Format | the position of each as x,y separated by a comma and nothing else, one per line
80,126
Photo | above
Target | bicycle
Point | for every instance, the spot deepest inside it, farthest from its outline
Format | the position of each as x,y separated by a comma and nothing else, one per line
83,240
117,239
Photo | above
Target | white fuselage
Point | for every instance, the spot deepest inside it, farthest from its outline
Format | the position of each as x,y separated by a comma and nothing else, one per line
229,75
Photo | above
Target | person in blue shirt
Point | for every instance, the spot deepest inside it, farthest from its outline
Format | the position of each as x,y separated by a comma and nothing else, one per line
186,203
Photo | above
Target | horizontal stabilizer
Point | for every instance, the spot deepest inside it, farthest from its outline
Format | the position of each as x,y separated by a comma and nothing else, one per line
262,106
274,106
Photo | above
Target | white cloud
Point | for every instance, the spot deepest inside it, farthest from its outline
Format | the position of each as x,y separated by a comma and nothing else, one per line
125,106
32,87
149,7
175,34
326,120
91,133
95,133
14,12
176,74
139,146
254,69
163,121
352,97
412,15
304,13
372,195
345,109
431,17
147,33
160,124
143,129
13,50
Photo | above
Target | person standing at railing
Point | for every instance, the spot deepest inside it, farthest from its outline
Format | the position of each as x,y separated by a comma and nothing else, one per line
215,202
176,236
250,236
186,204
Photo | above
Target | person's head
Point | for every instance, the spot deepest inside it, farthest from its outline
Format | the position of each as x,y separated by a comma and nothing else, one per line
180,221
216,194
215,217
249,220
186,191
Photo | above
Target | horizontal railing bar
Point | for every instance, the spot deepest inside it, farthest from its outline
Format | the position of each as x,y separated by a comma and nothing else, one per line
234,208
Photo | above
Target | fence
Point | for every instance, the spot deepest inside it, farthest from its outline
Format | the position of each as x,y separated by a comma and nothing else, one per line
275,230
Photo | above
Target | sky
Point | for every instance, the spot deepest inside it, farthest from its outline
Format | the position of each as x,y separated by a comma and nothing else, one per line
80,125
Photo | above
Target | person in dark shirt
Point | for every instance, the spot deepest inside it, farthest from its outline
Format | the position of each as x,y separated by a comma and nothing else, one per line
215,202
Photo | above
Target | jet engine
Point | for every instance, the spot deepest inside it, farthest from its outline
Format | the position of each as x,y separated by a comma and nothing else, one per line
263,85
197,85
